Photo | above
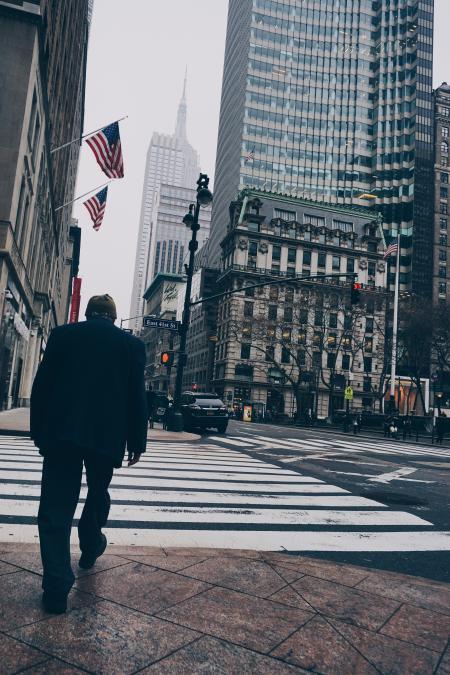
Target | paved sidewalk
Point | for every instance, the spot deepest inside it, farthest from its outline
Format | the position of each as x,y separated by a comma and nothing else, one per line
17,422
197,610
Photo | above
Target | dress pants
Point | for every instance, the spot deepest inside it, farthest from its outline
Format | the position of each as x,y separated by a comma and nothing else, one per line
60,491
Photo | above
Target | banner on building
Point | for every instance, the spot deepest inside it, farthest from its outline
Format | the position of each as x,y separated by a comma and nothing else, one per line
76,298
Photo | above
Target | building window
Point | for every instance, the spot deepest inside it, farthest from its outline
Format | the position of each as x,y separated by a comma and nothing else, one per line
346,362
301,357
288,313
285,215
272,313
306,258
332,340
246,330
289,295
350,264
292,255
318,317
444,177
342,225
443,240
443,193
270,353
442,288
317,221
285,355
442,255
442,272
444,132
243,372
250,292
348,322
252,248
443,224
367,385
443,208
331,360
369,325
248,309
286,334
245,351
367,364
276,253
445,112
273,293
368,344
336,264
317,359
321,260
444,147
333,320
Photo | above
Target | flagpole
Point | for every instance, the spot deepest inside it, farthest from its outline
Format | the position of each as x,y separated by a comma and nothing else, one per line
80,138
395,322
81,196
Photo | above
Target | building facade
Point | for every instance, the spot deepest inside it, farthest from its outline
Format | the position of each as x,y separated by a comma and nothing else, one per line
42,70
332,102
170,160
295,347
198,373
170,239
161,301
441,257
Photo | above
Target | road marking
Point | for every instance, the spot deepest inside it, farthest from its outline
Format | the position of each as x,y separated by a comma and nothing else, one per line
393,475
214,495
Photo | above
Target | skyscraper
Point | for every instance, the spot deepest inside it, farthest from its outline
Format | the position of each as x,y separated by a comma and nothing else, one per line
441,271
330,103
170,159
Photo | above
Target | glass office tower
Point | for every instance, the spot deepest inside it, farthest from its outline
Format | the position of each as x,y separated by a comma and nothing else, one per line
331,101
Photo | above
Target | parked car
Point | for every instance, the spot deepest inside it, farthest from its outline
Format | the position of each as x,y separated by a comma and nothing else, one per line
203,410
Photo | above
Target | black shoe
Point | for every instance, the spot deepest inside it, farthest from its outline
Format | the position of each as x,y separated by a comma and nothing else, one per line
54,603
87,560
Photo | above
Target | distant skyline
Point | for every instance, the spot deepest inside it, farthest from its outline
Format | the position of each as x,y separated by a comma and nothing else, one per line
143,79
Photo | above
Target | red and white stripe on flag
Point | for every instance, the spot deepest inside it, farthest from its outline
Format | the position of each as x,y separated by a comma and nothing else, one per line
107,150
96,206
392,248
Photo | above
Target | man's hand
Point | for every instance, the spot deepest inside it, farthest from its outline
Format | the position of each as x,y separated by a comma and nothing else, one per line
133,458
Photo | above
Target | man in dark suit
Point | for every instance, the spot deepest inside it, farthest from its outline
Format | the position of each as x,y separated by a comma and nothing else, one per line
87,404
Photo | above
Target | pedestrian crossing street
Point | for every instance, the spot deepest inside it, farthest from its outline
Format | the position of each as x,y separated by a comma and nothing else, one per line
321,445
212,495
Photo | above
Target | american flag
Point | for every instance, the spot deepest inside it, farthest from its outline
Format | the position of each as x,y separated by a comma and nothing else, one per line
96,206
250,157
107,149
392,248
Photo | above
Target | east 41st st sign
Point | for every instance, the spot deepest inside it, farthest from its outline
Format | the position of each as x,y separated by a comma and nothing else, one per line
151,322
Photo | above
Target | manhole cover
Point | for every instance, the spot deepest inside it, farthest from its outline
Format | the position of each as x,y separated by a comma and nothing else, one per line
395,498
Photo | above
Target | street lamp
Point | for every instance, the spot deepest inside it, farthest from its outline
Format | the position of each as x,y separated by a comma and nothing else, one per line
204,198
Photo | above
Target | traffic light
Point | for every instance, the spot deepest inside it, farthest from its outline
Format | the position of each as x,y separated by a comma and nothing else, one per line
166,358
355,293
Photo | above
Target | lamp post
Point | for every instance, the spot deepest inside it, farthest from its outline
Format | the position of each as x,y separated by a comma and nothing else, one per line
204,198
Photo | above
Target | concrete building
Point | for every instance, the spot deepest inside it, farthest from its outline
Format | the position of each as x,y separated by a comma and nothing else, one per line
331,101
170,238
161,301
441,257
297,346
170,160
42,70
202,335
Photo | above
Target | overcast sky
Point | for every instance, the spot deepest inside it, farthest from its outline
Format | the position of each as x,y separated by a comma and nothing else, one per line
137,56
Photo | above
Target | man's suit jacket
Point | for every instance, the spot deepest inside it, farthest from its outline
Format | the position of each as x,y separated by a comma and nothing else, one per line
89,391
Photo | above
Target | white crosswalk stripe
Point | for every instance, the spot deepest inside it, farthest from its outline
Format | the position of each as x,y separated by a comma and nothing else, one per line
190,494
399,448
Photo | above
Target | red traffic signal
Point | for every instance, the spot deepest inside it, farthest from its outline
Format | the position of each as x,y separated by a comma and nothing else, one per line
355,293
166,358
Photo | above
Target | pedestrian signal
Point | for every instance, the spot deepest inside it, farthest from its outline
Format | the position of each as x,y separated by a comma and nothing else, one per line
166,358
355,293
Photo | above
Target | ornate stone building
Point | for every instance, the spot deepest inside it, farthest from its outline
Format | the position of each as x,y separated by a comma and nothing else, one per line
296,346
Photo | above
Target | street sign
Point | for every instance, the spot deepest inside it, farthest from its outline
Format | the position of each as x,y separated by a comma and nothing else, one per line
348,394
151,322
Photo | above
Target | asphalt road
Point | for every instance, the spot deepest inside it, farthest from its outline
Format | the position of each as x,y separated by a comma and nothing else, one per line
400,474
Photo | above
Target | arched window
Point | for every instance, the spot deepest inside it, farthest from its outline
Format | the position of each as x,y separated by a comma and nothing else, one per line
444,147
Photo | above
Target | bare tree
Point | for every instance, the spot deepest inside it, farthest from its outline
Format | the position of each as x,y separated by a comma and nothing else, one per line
415,341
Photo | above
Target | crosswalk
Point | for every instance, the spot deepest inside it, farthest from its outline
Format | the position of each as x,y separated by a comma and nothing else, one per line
323,445
210,494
